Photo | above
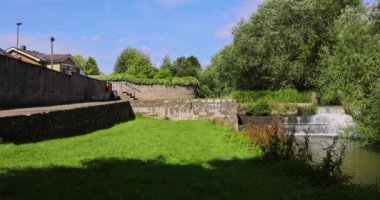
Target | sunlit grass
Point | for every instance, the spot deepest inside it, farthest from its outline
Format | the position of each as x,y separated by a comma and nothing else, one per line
152,159
272,96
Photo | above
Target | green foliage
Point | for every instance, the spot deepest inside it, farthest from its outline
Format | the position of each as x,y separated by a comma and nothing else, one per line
259,109
166,62
370,117
81,60
375,16
189,66
349,67
141,67
135,59
350,71
184,81
279,96
165,71
279,46
91,67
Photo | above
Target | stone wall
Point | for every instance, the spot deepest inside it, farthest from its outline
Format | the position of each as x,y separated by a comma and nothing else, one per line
23,84
150,92
220,110
62,122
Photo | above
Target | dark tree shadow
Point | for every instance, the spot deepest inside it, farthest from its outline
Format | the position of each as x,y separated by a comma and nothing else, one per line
153,179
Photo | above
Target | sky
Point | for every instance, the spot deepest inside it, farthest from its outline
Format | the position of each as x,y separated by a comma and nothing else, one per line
103,28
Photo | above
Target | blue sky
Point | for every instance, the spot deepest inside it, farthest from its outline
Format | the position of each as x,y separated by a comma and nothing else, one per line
103,28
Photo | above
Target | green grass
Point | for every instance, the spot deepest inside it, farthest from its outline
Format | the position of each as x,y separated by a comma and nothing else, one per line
152,159
270,96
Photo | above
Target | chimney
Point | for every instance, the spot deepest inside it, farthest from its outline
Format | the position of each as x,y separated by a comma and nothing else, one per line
23,47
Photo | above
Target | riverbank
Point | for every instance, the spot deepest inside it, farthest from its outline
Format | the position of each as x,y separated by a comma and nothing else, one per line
153,159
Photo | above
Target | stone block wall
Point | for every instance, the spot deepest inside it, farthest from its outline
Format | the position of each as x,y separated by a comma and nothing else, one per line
23,84
63,122
152,92
220,110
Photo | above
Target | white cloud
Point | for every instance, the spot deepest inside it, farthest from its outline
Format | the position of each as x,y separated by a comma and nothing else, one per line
234,15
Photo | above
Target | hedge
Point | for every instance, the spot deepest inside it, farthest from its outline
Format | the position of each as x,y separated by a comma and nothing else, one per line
184,81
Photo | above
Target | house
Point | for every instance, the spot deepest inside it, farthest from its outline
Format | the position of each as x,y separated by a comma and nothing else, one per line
4,53
64,63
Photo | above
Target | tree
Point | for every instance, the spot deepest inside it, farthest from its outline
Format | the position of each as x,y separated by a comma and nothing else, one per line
135,63
126,57
166,62
183,67
279,45
81,60
375,15
350,71
140,67
165,71
91,67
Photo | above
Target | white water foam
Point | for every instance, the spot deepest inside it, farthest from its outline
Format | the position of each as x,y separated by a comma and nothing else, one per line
328,121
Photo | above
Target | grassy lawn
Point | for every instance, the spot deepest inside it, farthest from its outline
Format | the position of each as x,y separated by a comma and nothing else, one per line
152,159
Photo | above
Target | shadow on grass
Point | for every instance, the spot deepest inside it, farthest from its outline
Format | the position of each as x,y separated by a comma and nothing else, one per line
153,179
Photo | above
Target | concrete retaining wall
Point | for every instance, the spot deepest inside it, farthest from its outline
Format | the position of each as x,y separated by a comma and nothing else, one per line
220,110
152,92
61,121
23,84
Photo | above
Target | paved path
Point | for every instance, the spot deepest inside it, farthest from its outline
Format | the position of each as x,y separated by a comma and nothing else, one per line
47,109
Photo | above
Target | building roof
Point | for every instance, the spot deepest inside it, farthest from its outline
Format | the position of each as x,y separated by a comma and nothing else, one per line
4,53
40,57
56,57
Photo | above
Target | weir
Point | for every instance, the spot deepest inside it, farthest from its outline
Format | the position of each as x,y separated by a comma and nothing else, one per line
328,121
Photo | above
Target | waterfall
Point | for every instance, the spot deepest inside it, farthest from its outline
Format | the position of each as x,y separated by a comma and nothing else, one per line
328,121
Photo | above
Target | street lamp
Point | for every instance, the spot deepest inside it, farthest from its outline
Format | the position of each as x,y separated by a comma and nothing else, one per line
52,39
18,30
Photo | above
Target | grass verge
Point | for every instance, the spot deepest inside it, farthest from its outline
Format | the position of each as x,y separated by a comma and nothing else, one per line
152,159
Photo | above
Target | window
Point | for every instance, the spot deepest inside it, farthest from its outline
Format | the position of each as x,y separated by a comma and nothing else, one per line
66,69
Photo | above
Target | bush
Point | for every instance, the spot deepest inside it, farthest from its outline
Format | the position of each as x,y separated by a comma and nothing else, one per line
185,81
273,140
279,96
258,109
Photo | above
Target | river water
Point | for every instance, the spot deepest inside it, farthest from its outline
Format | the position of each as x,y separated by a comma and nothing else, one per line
362,165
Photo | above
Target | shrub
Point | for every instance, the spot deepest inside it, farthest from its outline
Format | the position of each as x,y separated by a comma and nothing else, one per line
279,96
273,140
185,81
258,109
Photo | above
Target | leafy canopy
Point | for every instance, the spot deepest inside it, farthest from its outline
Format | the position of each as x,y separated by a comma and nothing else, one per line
189,66
91,67
136,63
279,45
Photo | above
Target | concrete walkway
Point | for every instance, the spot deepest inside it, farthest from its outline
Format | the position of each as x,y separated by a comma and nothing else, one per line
47,109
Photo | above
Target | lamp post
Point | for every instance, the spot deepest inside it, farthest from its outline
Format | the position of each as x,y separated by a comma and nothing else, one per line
52,39
18,30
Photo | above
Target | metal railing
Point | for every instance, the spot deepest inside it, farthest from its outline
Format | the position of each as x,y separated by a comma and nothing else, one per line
128,88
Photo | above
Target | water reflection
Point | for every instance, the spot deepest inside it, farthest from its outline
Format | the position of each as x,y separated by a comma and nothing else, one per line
363,165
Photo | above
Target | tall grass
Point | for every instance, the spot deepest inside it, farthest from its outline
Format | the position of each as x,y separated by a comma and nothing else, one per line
270,96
